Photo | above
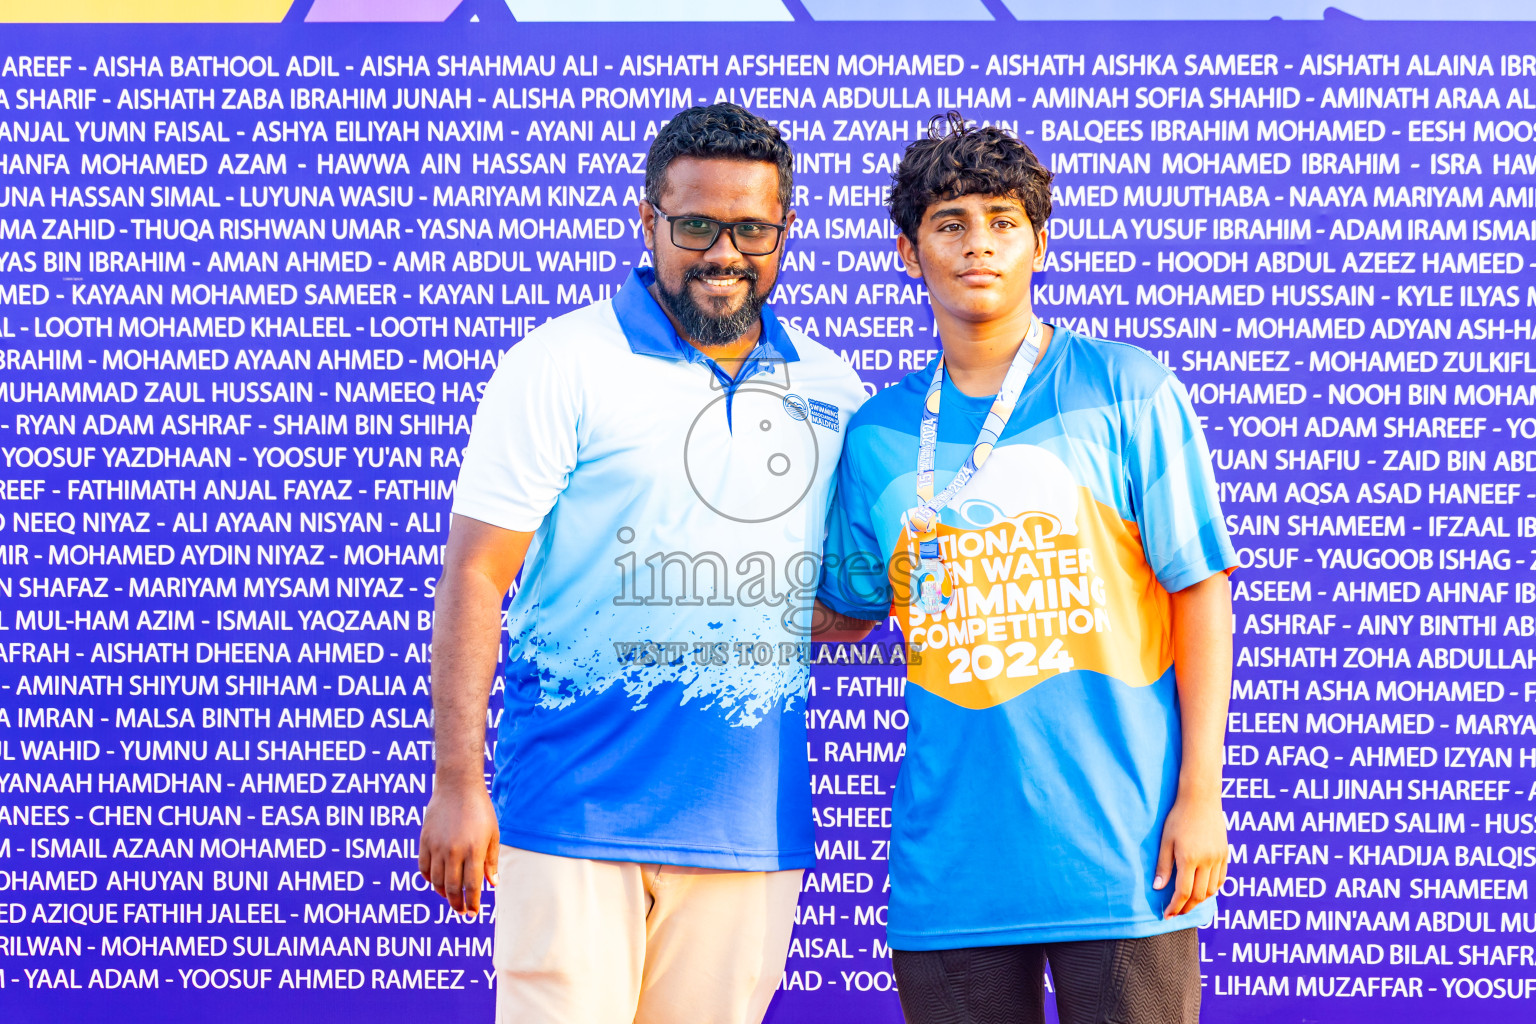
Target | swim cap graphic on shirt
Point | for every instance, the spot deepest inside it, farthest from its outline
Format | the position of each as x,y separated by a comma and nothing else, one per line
1018,479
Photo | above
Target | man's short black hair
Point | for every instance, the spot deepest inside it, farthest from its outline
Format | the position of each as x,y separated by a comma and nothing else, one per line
723,131
957,160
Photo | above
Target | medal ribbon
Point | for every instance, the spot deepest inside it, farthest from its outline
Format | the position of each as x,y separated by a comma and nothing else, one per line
922,522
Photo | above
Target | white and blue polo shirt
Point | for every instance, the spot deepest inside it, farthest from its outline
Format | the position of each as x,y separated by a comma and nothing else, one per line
654,686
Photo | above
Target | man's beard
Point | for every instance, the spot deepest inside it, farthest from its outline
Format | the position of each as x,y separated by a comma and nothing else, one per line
698,323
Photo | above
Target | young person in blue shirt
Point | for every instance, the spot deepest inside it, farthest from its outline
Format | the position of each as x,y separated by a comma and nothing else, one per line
659,466
1037,509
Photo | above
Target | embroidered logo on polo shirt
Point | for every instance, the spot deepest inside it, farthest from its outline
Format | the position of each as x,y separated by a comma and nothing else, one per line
796,407
823,415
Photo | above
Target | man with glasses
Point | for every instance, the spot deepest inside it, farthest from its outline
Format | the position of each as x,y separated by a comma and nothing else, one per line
659,466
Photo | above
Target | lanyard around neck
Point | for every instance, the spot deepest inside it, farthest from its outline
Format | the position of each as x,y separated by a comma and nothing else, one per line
923,520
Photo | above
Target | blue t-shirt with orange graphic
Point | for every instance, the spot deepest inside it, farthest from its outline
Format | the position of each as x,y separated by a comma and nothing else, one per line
1044,741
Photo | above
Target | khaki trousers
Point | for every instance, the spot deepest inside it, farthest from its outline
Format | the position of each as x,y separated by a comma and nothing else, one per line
606,942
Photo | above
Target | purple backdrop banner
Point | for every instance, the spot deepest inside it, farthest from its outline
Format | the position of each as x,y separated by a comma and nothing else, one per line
253,279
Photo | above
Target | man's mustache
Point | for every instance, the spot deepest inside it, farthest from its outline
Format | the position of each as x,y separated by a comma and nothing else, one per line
699,271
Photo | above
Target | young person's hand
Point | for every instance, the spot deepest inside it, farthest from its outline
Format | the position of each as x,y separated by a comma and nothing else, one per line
1194,841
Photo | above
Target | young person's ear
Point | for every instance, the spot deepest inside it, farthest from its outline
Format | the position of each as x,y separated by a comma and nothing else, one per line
1039,263
908,253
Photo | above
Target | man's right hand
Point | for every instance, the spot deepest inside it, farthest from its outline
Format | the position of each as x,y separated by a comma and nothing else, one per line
459,837
830,627
460,843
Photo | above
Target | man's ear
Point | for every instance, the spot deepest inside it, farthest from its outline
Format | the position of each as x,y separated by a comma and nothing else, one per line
1040,240
647,223
908,253
788,224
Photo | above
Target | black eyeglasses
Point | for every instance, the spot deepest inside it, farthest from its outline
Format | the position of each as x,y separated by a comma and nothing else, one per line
751,237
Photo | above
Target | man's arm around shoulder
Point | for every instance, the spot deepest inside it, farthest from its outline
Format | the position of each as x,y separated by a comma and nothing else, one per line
459,836
830,627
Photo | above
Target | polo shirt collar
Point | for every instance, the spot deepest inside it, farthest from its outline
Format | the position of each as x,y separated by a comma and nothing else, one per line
650,333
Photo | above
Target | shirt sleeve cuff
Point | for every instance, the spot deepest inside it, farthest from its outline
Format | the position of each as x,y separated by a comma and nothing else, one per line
507,519
1188,576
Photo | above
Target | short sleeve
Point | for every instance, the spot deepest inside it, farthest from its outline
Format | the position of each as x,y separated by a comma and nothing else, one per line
854,578
523,445
1173,492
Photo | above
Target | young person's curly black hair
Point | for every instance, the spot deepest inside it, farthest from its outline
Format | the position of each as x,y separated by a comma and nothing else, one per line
723,131
956,159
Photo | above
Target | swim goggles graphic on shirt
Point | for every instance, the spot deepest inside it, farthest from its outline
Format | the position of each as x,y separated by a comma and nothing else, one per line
931,582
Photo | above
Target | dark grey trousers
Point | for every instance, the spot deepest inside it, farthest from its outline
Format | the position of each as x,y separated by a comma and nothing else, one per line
1154,980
